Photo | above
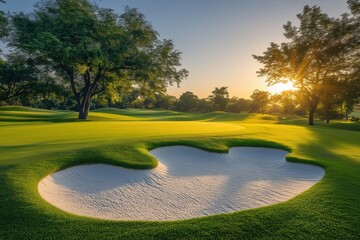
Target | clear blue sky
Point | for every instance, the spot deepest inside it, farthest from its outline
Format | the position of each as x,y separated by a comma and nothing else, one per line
217,37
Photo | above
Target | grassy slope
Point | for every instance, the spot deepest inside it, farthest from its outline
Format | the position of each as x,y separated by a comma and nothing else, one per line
35,143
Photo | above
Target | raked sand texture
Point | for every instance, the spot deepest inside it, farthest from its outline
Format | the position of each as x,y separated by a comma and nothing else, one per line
187,183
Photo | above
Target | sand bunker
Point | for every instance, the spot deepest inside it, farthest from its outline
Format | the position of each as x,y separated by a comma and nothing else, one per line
187,183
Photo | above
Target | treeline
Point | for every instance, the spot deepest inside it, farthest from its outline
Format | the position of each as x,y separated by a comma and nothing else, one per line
47,94
289,102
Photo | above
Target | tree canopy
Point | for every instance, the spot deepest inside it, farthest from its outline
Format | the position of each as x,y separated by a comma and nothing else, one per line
260,99
92,47
317,52
17,77
187,102
3,23
220,97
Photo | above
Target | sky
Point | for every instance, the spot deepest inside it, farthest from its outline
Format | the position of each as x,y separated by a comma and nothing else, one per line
216,37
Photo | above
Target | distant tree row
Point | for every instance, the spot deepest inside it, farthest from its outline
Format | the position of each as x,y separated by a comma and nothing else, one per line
286,103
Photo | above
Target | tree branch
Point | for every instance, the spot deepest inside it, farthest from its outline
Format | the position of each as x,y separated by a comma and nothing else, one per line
70,73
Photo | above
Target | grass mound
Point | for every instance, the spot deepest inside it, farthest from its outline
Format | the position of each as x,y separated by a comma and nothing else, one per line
22,109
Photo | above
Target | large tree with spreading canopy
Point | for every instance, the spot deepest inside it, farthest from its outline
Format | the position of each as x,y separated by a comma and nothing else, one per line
92,48
316,53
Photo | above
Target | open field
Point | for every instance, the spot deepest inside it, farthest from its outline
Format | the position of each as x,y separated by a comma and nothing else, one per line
35,143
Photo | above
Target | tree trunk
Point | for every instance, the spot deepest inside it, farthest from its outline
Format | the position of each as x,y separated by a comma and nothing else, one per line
312,110
84,96
327,115
346,115
85,103
327,120
311,116
84,108
314,100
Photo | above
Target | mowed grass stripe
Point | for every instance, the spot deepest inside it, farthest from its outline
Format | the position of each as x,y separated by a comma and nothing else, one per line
31,150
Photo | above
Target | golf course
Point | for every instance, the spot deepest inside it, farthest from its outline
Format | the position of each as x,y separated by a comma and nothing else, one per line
35,143
209,119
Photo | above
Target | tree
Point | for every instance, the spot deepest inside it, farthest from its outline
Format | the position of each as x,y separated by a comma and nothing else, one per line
331,100
165,101
315,53
4,28
288,100
275,102
284,102
237,105
132,97
260,100
354,6
204,106
92,47
48,93
187,102
17,77
350,96
351,93
220,98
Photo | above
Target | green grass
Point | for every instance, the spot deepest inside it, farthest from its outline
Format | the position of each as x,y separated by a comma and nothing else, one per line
35,143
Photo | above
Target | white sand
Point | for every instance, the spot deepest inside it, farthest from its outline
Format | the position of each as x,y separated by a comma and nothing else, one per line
187,183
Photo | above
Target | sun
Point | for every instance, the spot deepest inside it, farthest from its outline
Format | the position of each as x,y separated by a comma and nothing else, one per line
280,87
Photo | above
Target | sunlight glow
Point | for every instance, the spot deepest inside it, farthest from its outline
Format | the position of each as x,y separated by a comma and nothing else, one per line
280,87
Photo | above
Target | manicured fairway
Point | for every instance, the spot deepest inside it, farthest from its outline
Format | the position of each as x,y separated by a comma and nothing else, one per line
35,143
